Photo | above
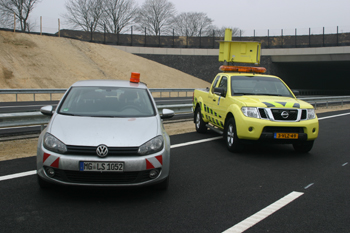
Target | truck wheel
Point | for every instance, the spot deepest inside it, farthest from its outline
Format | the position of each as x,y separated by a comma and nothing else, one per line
303,147
200,124
232,141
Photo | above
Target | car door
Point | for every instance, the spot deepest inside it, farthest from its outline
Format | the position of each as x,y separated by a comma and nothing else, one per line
220,102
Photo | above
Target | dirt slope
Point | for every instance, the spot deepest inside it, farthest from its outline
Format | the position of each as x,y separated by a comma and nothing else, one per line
34,61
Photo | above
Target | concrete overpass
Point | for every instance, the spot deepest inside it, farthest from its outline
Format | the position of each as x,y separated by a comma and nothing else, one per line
317,68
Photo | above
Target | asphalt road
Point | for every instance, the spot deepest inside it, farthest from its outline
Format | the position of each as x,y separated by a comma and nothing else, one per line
211,190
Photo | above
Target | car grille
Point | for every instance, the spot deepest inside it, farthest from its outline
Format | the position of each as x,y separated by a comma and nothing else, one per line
91,150
275,114
102,177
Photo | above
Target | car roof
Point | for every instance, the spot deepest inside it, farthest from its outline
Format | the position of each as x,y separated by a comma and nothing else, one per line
109,83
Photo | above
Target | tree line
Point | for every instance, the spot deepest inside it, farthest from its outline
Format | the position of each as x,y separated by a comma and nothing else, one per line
152,17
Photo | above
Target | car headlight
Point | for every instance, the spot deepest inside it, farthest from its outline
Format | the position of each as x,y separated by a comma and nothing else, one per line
250,112
311,113
152,146
53,144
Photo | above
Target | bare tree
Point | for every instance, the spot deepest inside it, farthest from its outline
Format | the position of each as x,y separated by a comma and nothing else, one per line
118,14
85,14
192,24
155,16
20,8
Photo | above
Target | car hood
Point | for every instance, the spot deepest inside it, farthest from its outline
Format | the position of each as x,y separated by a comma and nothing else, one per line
272,101
113,132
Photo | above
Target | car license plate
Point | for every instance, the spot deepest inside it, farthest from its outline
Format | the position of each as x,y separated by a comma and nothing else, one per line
101,166
286,135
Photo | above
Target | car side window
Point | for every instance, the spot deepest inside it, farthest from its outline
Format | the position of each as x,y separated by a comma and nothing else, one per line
214,83
223,83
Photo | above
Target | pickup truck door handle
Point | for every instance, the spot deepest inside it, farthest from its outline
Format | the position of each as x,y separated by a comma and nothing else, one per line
214,100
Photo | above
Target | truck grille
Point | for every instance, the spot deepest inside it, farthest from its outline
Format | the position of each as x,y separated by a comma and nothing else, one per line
277,114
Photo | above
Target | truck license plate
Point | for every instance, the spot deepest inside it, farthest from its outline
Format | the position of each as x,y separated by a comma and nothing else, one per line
101,166
286,135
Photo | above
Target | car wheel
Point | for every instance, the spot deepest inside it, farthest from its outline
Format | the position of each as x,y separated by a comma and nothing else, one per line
200,124
162,185
303,147
232,141
42,183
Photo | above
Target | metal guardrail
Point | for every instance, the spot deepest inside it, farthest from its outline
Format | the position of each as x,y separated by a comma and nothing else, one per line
34,92
36,118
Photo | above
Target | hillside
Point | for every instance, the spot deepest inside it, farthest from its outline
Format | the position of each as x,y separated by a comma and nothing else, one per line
34,61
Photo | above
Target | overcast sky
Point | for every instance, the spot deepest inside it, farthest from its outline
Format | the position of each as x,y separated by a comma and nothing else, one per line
244,14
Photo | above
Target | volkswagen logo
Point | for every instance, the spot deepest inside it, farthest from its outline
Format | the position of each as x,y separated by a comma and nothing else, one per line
285,114
102,151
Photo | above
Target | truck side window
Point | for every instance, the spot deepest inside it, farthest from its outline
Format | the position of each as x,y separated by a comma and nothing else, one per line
223,83
214,83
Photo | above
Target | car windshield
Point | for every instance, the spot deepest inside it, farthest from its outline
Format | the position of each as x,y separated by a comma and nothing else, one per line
258,85
107,102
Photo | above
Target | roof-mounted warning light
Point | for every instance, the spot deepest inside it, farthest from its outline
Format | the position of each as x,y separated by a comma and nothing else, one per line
244,69
135,77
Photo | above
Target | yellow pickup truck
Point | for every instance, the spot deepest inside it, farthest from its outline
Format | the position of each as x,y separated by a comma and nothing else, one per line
247,106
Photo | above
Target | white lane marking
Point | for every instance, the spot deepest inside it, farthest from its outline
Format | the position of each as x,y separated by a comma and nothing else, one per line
327,117
264,213
308,186
345,164
17,175
195,142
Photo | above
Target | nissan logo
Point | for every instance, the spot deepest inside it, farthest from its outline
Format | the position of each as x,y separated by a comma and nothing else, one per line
285,114
102,151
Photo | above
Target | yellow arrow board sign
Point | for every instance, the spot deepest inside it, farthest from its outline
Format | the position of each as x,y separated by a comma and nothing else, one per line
239,51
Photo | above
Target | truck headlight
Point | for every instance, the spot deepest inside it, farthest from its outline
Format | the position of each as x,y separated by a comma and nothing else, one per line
250,112
53,144
152,146
311,113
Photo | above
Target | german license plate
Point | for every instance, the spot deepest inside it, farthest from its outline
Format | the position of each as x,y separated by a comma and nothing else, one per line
286,135
101,166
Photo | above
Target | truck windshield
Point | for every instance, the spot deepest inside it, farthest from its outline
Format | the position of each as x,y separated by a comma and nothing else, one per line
258,85
107,102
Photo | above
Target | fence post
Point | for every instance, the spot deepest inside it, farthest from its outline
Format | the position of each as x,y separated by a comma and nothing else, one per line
159,39
213,38
173,38
14,22
268,38
254,34
41,25
323,36
91,30
59,28
309,37
145,36
200,38
282,36
337,35
117,35
240,34
296,38
104,33
131,36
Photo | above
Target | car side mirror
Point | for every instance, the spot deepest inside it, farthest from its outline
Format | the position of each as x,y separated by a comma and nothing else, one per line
220,91
167,113
47,110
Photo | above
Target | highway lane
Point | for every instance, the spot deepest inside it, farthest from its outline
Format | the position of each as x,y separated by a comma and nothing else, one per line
211,190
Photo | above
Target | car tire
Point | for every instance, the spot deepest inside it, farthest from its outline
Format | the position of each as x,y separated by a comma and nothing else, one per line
233,143
162,185
199,123
42,183
303,147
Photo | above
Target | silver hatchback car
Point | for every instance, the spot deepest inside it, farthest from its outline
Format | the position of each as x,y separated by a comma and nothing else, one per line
105,133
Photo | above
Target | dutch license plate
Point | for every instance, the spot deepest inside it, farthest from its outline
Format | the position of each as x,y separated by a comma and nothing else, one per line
101,166
286,135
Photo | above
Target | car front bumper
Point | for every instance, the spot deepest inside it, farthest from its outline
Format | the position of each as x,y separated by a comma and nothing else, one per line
136,170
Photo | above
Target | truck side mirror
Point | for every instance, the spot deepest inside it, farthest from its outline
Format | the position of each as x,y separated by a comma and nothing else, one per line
220,91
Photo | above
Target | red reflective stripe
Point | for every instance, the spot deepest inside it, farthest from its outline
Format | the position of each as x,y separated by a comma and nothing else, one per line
55,163
46,155
149,165
160,159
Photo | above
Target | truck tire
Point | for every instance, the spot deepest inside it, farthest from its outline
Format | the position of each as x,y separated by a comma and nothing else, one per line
232,141
303,147
199,123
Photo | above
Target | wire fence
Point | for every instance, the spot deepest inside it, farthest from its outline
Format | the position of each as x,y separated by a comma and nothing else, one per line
270,38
